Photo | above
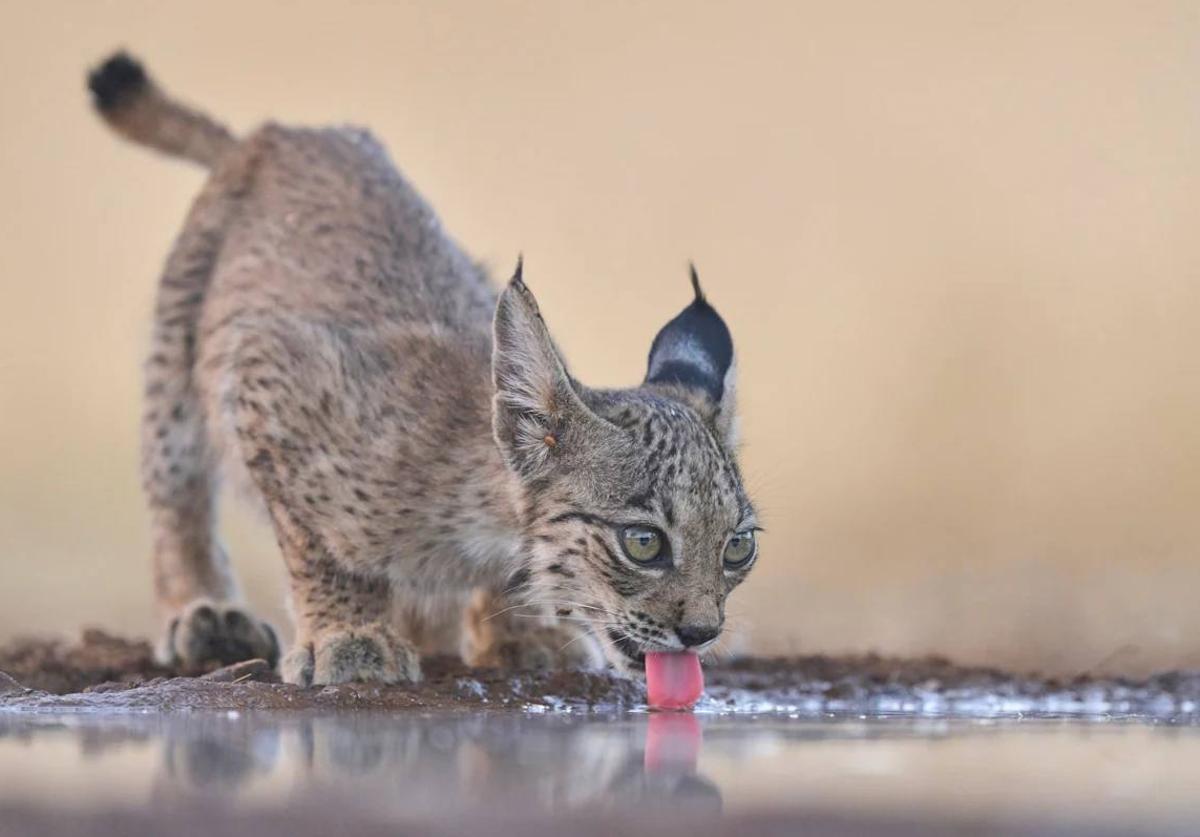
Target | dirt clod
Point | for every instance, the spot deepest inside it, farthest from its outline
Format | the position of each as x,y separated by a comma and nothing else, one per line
53,665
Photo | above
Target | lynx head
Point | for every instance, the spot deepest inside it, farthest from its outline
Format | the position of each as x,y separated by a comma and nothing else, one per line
636,520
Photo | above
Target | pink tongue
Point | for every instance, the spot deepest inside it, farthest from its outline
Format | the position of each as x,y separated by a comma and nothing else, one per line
674,680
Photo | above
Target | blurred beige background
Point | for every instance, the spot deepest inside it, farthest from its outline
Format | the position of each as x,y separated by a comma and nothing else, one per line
957,244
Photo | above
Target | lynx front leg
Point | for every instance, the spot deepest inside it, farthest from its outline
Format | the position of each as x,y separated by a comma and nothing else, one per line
344,632
498,633
344,628
288,395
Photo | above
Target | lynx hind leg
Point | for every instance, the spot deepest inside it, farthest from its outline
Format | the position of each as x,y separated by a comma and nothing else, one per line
206,632
193,581
497,633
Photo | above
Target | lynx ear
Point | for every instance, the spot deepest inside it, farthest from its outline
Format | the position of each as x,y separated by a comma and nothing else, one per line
694,352
535,404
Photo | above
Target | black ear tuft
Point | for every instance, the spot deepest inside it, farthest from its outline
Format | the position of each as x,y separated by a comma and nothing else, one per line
694,349
519,273
696,283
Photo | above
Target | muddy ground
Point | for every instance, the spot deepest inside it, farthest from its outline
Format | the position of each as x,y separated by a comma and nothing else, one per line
99,671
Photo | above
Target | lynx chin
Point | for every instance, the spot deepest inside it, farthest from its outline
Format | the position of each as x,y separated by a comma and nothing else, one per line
434,474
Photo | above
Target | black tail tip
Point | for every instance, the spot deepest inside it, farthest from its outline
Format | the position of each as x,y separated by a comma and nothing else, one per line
116,81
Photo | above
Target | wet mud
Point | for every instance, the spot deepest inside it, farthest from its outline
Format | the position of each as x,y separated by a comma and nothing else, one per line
101,672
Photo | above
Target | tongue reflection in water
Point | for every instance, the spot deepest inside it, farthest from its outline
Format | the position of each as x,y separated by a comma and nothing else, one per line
669,774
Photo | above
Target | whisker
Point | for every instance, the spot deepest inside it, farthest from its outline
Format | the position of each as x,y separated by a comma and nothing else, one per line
580,605
541,602
604,642
577,621
505,610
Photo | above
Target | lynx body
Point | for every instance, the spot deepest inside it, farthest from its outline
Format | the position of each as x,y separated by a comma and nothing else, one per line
415,437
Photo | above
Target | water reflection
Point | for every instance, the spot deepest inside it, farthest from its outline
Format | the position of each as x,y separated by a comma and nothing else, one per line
402,767
217,754
412,764
416,763
487,761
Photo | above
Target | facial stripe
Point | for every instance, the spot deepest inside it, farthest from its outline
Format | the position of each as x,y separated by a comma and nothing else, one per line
582,517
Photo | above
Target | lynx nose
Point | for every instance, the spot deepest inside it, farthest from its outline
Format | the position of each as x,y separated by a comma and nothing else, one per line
693,635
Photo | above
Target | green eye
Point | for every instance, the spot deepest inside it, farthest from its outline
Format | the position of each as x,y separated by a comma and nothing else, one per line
739,550
642,543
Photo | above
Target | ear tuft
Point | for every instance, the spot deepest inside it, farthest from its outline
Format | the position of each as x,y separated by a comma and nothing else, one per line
696,283
518,277
693,350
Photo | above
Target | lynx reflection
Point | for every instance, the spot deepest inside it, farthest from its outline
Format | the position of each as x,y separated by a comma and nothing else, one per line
418,766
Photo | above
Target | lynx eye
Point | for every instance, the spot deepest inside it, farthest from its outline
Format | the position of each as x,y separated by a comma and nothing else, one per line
642,543
739,550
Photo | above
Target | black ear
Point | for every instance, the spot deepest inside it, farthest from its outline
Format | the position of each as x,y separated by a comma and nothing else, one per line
694,350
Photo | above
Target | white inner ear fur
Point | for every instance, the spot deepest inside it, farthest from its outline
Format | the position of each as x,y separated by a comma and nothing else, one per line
726,418
684,348
528,378
533,389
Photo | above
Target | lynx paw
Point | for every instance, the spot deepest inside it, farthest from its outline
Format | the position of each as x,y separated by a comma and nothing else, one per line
205,632
367,654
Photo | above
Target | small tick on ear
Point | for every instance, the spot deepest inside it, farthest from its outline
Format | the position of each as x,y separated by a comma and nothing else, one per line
550,441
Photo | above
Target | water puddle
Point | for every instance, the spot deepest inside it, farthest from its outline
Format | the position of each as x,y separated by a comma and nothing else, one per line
501,768
96,739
